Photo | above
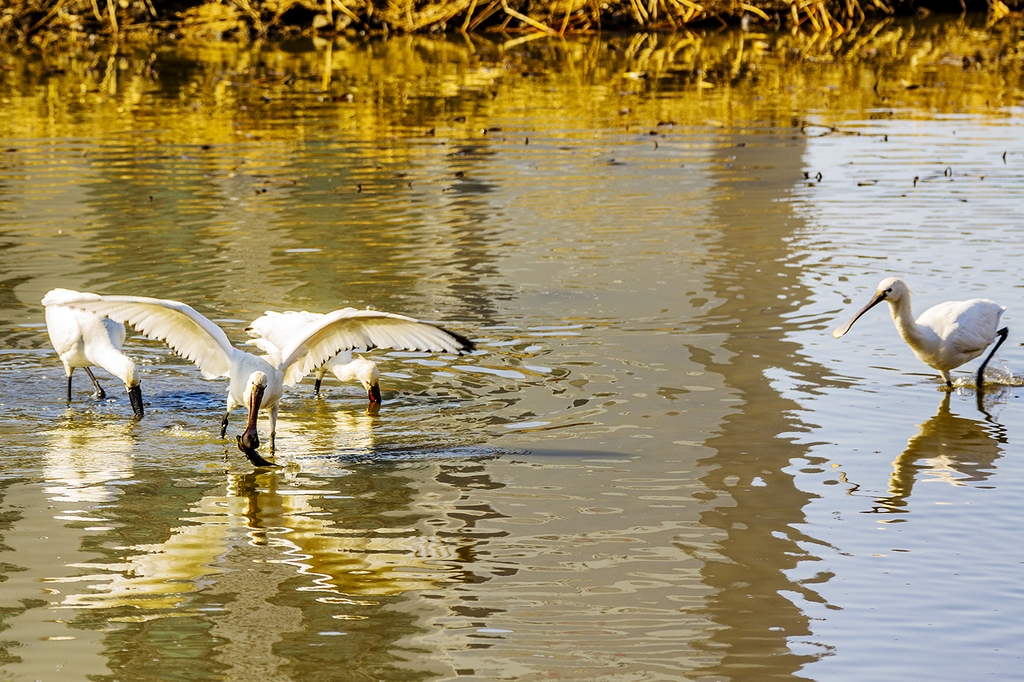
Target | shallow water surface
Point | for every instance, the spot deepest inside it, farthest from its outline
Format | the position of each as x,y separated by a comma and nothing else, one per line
658,465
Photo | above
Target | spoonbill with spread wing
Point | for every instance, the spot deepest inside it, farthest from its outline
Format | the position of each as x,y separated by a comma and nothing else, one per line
85,339
273,331
258,381
946,335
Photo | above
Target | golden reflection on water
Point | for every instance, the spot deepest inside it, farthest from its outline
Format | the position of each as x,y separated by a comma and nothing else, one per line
80,468
259,510
746,467
227,93
636,294
260,538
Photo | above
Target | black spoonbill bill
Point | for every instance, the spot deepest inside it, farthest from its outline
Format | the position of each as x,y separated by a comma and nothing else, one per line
257,382
273,331
946,335
85,339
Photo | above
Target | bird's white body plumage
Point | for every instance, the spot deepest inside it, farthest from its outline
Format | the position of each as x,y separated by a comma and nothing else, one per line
949,334
86,339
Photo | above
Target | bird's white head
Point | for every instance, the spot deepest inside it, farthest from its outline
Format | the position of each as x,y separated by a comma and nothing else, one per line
131,375
365,371
256,380
891,289
254,390
368,374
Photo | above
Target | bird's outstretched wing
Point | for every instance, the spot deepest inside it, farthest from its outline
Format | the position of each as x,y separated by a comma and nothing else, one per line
62,296
265,346
349,328
273,331
188,333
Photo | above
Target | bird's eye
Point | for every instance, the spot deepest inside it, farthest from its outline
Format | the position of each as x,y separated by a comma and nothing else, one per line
889,290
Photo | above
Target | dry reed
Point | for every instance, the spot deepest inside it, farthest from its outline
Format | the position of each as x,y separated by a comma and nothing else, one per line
43,21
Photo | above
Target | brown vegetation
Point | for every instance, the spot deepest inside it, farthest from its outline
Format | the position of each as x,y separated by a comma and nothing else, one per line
44,21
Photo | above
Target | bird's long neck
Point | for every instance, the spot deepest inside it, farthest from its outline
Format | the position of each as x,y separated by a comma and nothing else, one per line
903,317
345,370
117,364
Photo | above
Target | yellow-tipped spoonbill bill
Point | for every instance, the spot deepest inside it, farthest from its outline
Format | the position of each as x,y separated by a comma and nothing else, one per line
946,335
258,382
273,331
83,339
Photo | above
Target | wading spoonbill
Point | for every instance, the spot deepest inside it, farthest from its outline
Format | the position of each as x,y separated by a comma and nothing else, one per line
85,339
946,335
257,382
273,331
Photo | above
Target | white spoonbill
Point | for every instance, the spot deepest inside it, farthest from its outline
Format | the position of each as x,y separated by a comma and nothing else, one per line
273,331
84,339
946,335
258,382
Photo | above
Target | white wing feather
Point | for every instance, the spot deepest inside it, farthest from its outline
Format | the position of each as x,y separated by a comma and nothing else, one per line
265,346
188,333
968,326
274,330
348,328
62,296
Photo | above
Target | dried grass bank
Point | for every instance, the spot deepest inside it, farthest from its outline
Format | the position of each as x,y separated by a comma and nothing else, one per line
44,21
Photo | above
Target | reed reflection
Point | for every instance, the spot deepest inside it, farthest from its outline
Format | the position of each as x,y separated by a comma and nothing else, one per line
947,448
762,506
231,155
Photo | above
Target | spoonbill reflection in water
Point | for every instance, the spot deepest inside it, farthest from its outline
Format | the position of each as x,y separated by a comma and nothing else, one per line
273,331
85,339
946,335
258,382
950,448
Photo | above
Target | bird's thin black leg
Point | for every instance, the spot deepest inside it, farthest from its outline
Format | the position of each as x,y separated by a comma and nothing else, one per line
100,393
1002,333
224,424
69,388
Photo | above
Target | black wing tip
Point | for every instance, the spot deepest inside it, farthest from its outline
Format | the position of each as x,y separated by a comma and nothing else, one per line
465,343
